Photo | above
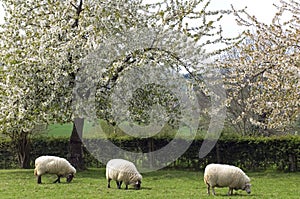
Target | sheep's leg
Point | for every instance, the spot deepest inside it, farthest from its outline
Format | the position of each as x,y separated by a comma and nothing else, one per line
213,190
208,189
120,183
230,191
126,186
108,183
39,179
57,180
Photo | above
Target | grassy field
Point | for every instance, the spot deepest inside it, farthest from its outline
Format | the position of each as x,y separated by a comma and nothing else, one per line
59,130
104,131
169,184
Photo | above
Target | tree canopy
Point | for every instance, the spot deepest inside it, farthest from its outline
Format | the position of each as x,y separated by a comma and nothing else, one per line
44,43
263,72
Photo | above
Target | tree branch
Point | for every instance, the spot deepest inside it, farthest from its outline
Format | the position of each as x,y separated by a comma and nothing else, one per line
79,9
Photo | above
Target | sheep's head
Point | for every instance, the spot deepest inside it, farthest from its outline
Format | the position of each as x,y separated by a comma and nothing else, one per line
247,188
137,185
70,177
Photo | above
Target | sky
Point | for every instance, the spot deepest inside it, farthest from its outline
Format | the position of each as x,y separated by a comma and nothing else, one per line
262,9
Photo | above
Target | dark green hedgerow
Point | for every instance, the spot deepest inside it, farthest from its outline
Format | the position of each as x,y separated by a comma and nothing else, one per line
259,153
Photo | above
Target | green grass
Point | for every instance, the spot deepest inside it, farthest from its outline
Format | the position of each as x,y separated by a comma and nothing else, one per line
59,130
169,184
104,131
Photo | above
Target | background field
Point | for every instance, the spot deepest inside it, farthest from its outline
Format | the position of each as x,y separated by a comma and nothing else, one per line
58,130
169,184
64,130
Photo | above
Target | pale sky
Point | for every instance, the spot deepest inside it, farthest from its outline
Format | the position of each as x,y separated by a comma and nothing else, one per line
262,9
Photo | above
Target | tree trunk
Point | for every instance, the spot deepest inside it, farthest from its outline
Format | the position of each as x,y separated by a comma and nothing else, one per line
219,160
76,146
292,163
22,145
150,149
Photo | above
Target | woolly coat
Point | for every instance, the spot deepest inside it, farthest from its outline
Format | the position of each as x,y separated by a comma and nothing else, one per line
53,165
122,171
220,175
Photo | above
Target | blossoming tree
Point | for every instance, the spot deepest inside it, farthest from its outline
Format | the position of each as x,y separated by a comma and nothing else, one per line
43,44
263,73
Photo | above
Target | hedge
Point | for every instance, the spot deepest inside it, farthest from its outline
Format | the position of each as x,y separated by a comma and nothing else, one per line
259,153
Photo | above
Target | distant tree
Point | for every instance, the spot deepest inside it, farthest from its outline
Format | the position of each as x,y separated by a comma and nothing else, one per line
263,72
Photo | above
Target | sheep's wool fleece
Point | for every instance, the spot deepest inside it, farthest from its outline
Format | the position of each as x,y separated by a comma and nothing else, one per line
53,165
122,170
221,175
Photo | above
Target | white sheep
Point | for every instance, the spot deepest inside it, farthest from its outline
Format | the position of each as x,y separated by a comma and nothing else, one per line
53,165
222,175
123,171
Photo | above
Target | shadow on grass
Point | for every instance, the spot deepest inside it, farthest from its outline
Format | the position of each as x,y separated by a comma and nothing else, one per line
238,195
129,188
146,188
54,184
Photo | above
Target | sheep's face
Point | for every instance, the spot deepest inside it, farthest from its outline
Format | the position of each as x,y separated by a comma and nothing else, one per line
247,188
70,177
137,185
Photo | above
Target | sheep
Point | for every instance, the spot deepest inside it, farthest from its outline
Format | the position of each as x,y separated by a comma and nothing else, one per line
53,165
123,171
222,175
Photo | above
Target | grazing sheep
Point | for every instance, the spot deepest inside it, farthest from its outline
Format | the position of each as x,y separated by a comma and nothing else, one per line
53,165
221,175
123,171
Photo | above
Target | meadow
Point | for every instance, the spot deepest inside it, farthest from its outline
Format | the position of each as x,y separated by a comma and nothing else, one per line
169,184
